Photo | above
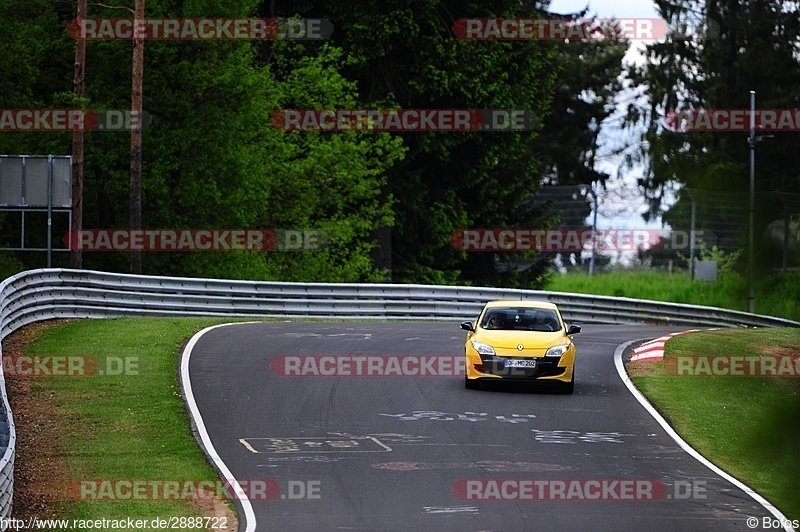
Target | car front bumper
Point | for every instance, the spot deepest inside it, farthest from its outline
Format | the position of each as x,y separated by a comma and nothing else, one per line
492,367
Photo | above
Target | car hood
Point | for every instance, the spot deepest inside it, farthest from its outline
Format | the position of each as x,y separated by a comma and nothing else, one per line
511,339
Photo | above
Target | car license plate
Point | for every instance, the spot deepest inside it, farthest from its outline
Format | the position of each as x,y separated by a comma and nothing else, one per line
511,363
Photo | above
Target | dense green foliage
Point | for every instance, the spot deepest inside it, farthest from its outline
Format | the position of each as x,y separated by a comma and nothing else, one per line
388,202
733,47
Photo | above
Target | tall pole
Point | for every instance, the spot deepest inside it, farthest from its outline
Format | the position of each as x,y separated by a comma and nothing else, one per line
79,86
594,232
136,137
751,254
49,210
692,236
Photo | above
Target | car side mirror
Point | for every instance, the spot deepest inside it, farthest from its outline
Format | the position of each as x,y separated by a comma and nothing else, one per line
574,329
467,326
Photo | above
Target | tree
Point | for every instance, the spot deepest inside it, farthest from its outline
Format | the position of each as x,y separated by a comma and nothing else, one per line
79,83
739,46
211,157
402,53
588,80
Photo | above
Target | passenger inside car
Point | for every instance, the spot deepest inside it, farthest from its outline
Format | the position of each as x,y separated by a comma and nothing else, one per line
545,321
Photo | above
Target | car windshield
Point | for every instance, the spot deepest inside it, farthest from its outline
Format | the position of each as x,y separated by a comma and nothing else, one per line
520,319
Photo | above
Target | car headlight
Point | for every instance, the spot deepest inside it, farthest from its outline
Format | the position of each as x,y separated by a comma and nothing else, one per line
483,349
557,350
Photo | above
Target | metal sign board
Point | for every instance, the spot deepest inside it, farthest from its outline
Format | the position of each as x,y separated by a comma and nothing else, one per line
29,180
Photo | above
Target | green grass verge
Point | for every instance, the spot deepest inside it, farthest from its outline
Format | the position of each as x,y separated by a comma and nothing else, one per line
124,427
748,426
775,295
135,426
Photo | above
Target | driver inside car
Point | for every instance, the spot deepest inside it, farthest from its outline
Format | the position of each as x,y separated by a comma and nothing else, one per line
495,322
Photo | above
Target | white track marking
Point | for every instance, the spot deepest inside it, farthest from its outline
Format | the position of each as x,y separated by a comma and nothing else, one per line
211,452
685,446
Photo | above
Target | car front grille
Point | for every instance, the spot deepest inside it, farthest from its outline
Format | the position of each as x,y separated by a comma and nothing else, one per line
545,367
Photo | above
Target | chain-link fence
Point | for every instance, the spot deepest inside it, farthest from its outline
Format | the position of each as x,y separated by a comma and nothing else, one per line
600,229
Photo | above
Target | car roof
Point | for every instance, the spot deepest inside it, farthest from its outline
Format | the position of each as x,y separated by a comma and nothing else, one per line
521,304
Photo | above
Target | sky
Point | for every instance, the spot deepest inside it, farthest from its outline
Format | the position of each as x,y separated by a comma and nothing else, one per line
607,8
623,202
610,9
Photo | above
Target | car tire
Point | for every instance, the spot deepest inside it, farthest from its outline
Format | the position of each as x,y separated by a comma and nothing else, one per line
568,387
470,384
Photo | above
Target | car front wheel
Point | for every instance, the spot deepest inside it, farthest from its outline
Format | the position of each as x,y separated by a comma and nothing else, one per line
568,387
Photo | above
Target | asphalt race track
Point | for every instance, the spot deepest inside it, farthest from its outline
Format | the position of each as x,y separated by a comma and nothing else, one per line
424,453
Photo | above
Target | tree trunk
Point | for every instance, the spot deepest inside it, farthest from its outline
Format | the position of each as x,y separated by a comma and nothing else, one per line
136,139
79,84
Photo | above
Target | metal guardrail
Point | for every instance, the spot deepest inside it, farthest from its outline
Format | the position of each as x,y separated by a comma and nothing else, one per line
38,295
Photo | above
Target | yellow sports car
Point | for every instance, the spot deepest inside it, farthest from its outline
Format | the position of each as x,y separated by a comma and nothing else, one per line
523,341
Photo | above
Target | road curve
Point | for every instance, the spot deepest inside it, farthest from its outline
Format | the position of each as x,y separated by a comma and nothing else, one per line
423,453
